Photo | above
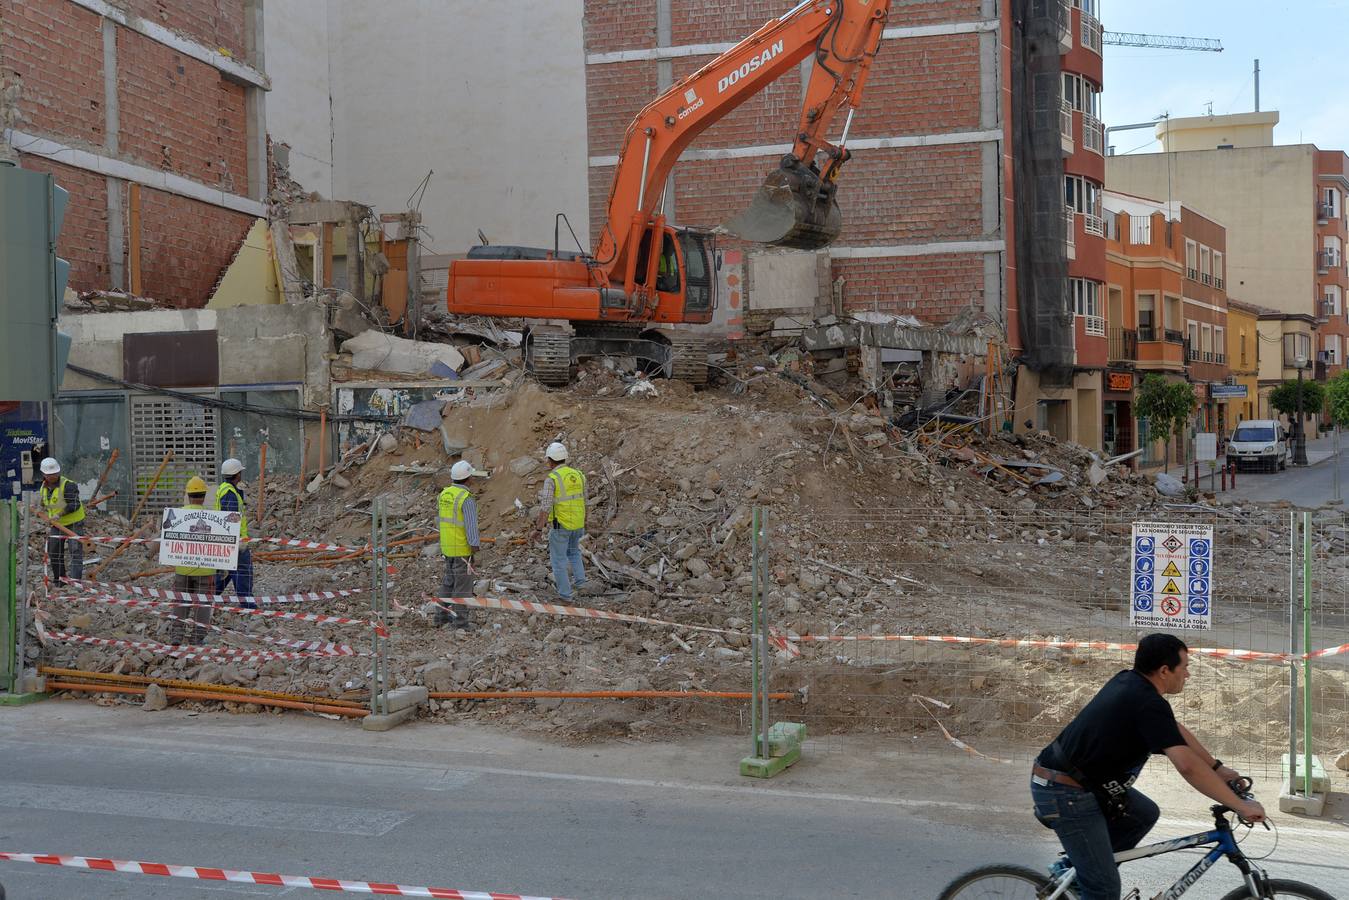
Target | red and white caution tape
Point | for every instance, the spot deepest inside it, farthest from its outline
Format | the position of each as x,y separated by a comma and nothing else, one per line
132,603
158,593
557,609
1329,651
180,651
320,648
281,542
1002,642
957,742
201,873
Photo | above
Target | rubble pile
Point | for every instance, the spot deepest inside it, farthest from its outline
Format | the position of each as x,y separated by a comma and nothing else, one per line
858,508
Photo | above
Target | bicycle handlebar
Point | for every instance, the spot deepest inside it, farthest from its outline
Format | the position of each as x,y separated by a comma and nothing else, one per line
1241,786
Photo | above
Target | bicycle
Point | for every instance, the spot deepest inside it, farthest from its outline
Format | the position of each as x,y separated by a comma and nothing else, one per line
1010,882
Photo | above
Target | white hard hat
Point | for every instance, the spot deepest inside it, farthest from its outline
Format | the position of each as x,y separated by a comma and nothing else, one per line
461,470
557,451
50,467
231,467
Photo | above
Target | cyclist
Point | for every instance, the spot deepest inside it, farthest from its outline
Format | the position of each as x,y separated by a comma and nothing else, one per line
1081,783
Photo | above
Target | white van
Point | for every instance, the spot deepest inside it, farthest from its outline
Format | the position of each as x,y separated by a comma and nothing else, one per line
1261,443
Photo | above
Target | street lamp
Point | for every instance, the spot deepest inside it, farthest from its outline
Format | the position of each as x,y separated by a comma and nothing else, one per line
1299,437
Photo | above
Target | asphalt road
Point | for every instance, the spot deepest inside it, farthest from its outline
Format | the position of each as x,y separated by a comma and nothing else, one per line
474,809
1303,486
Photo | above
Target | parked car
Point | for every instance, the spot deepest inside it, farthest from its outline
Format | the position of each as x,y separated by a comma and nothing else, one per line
1259,443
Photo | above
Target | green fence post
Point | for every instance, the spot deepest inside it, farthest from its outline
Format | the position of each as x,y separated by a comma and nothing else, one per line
1306,649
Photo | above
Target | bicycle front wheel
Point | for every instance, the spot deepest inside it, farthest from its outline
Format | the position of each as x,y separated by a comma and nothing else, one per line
1282,889
998,883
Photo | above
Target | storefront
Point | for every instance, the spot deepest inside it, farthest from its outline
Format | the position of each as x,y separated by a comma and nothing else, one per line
1117,421
1231,400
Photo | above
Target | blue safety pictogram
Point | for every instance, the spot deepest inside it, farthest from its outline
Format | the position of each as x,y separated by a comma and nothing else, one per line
1143,602
1199,567
1199,547
1198,606
1144,544
1199,587
1143,584
1144,565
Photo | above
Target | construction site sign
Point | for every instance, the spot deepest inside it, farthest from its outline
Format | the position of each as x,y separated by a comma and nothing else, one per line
1171,576
200,538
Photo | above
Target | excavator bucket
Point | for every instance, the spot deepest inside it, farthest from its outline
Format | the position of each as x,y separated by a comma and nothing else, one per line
791,209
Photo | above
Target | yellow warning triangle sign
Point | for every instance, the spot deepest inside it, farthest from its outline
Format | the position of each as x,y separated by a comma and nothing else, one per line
1170,587
1171,571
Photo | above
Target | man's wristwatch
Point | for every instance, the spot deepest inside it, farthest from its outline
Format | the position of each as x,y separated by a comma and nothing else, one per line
1217,764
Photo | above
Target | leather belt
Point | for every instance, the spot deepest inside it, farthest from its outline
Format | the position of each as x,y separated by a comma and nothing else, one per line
1057,777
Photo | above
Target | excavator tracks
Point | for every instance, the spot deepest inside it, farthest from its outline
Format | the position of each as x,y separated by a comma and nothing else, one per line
688,358
550,357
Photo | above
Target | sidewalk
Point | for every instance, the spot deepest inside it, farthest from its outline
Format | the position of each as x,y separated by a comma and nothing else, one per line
1323,448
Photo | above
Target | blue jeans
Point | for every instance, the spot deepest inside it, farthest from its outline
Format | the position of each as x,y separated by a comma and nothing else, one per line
1089,838
564,547
242,578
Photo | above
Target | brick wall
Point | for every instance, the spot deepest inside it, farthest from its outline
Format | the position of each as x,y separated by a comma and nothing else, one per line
933,288
84,233
619,25
186,246
615,93
921,86
720,21
180,115
54,50
215,23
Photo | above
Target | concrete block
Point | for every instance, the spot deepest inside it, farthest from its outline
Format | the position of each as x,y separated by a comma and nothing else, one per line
784,737
403,697
1297,804
1320,781
758,767
22,699
384,723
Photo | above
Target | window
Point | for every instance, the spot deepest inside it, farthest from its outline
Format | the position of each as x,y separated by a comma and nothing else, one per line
1206,342
1219,344
1173,318
1330,199
1241,341
1091,8
1295,345
1192,336
1331,299
1332,350
1081,94
1147,317
1192,260
1217,269
1086,297
1081,195
1205,265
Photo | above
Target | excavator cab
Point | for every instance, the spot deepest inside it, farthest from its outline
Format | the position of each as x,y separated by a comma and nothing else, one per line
685,275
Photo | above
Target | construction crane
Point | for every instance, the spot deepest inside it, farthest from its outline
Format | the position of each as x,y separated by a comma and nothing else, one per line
1161,41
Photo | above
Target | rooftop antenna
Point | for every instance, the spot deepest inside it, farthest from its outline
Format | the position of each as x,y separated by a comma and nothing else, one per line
1257,85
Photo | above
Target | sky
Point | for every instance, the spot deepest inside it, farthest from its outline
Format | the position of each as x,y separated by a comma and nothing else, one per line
1302,50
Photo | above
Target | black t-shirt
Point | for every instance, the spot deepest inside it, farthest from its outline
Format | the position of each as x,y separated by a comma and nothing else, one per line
1113,735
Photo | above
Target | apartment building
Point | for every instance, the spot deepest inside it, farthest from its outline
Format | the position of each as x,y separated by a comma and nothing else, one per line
1166,313
1243,361
1283,208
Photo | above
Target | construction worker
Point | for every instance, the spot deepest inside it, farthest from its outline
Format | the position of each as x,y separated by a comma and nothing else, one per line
192,580
458,514
228,498
59,498
562,509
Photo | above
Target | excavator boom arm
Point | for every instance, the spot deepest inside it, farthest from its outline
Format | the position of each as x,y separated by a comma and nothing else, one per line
843,35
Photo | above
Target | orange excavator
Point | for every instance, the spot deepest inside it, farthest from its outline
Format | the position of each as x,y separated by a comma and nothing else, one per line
647,275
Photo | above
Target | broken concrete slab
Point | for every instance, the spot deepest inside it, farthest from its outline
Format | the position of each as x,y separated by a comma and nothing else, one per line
386,353
155,698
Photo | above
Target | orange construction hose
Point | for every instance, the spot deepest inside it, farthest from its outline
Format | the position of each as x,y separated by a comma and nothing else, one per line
602,695
179,694
81,675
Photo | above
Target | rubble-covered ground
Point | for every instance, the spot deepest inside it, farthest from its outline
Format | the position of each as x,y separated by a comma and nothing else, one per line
871,529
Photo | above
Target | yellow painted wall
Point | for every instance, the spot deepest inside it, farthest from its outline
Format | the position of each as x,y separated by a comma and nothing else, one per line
251,277
1253,129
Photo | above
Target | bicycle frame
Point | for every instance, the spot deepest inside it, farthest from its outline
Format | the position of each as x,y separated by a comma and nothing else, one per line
1225,845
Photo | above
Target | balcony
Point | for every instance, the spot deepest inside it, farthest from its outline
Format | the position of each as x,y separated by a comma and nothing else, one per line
1192,353
1070,232
1325,309
1094,325
1206,278
1324,213
1093,225
1091,33
1093,134
1172,336
1140,230
1192,274
1319,372
1220,359
1066,127
1327,260
1218,283
1123,345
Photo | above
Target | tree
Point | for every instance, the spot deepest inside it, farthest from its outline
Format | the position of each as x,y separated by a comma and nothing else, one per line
1167,406
1284,397
1338,389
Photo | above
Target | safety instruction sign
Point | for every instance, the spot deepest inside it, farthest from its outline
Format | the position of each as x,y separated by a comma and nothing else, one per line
200,538
1171,576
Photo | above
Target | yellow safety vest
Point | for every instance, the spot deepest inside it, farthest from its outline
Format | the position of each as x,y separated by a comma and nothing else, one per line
54,501
190,570
453,535
569,497
226,488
